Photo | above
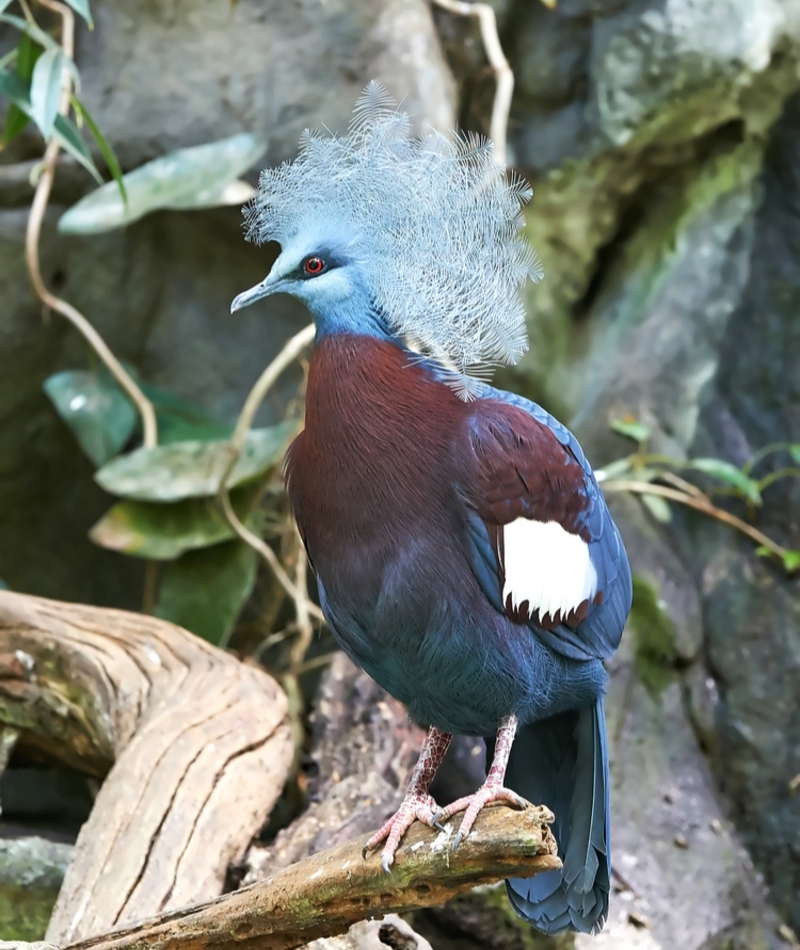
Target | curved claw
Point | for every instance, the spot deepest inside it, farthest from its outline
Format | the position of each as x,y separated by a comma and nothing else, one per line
415,807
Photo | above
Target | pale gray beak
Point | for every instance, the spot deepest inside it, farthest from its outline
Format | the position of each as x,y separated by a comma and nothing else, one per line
267,286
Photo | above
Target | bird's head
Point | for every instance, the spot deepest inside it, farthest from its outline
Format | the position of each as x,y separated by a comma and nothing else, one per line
414,238
322,268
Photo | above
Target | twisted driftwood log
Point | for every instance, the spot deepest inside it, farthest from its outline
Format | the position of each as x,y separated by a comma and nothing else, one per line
196,746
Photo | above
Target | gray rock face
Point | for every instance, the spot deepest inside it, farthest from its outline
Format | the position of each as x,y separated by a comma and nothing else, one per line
673,846
646,315
753,613
182,74
552,52
674,69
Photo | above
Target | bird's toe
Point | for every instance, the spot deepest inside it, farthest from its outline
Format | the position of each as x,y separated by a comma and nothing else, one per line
472,805
415,807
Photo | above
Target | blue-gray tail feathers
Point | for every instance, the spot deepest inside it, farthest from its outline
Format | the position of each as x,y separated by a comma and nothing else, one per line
562,762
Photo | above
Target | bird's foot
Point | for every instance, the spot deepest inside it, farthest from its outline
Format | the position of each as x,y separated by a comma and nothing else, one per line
488,794
416,806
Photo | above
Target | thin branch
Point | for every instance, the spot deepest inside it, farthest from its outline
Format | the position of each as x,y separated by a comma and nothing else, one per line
305,630
266,552
33,234
789,472
682,484
150,592
291,350
763,452
703,504
504,75
304,633
324,660
324,894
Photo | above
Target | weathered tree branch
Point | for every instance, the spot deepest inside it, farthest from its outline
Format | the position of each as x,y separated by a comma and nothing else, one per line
197,744
324,894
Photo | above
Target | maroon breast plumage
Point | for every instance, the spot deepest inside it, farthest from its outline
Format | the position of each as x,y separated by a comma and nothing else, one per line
376,444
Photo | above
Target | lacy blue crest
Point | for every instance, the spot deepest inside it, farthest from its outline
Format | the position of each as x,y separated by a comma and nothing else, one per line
436,225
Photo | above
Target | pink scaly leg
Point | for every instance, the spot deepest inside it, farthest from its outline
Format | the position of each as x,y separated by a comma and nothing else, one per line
492,789
418,805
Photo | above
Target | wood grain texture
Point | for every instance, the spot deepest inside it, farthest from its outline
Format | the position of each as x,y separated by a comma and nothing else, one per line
195,744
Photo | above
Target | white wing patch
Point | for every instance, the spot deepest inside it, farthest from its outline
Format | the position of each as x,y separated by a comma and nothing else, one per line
546,566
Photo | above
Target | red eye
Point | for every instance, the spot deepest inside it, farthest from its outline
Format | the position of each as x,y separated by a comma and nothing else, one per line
314,266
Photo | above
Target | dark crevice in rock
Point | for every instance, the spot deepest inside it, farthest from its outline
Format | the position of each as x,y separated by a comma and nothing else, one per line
663,168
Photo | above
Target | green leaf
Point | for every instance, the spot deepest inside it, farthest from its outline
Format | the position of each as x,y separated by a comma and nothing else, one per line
794,451
82,7
25,26
729,474
164,531
614,469
28,51
205,590
631,428
658,507
63,128
182,421
106,150
192,469
763,551
17,90
100,416
178,419
200,177
791,560
174,428
46,87
69,138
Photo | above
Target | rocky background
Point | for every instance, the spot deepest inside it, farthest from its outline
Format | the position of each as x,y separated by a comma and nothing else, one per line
662,138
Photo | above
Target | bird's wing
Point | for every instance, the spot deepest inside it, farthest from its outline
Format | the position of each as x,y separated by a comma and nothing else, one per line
542,542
